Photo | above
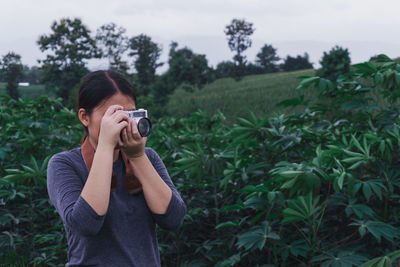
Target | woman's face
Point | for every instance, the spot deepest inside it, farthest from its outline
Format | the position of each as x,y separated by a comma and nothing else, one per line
93,121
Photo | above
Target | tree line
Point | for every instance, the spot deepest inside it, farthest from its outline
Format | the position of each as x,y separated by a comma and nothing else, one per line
71,44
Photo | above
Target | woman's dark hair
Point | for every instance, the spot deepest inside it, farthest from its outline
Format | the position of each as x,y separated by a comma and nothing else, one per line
98,86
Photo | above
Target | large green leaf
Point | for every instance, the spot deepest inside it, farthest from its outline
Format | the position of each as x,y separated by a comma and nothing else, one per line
256,237
385,261
377,229
341,259
301,209
369,188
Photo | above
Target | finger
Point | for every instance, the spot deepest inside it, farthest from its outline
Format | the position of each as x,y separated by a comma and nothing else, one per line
135,131
124,135
120,116
132,125
111,109
121,138
129,131
121,125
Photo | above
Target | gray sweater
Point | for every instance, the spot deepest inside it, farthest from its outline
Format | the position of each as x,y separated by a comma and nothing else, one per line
126,234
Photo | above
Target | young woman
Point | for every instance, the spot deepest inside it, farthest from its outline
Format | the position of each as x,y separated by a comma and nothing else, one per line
112,191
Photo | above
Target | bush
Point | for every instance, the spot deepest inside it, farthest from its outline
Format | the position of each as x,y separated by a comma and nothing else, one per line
31,131
225,69
296,63
334,63
314,188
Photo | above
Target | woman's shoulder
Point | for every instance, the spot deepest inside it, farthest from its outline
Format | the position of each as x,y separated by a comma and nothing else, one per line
68,156
64,164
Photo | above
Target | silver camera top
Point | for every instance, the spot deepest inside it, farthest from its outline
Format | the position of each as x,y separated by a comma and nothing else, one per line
137,114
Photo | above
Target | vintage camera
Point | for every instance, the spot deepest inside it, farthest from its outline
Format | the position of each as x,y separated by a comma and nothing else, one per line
143,123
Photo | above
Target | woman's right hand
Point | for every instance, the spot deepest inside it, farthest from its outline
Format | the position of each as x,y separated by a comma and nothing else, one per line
112,123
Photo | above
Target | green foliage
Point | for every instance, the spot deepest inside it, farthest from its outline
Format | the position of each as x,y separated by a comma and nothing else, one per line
225,69
31,91
31,131
188,67
296,63
313,188
163,86
238,33
145,53
334,63
113,44
257,237
342,258
187,70
267,58
258,93
301,209
385,261
322,180
11,69
70,45
33,75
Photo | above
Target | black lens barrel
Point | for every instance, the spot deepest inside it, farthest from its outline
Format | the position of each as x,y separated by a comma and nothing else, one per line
144,127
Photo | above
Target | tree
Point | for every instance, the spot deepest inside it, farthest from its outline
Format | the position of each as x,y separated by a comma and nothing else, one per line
113,44
267,58
71,45
334,63
238,33
33,75
11,68
253,69
162,87
374,58
225,69
296,63
145,53
188,67
184,67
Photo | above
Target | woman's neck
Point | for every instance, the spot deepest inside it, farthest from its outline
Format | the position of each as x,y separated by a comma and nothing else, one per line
116,150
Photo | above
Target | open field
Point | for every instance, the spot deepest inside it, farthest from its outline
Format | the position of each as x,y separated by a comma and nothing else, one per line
258,93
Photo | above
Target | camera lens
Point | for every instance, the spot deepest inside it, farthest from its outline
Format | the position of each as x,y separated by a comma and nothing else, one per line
144,127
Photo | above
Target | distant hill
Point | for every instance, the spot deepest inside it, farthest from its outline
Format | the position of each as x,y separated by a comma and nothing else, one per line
257,93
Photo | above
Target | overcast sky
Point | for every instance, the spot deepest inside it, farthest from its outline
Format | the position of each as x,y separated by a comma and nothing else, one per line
365,27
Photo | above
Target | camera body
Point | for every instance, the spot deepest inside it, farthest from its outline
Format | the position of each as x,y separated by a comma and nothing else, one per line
143,122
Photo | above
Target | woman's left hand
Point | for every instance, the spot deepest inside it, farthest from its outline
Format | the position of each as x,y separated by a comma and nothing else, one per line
132,143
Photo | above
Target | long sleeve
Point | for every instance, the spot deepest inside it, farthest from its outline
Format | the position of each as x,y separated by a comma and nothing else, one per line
176,210
64,186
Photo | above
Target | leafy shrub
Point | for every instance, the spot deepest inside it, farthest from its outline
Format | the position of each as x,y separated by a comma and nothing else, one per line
296,63
31,131
320,187
334,63
225,69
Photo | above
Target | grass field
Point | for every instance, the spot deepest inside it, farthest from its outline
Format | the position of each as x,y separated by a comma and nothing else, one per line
258,93
26,91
